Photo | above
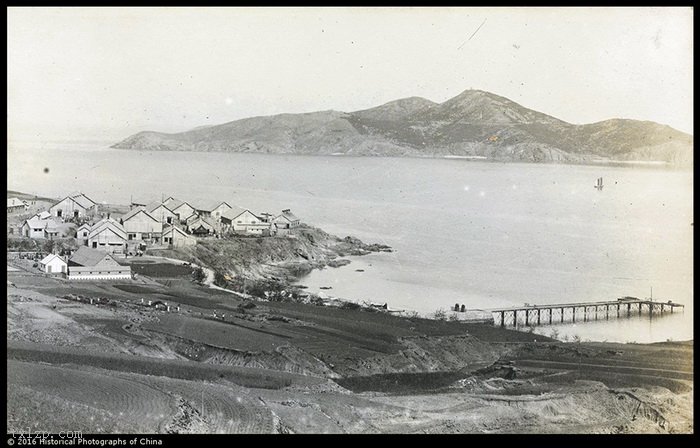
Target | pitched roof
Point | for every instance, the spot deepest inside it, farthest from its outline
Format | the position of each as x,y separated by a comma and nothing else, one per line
88,226
135,212
43,215
289,215
191,217
179,204
83,200
200,222
209,206
172,202
234,212
14,202
50,257
85,256
150,208
35,223
108,223
170,229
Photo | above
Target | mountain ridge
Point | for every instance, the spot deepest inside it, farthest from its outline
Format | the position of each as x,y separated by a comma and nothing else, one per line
473,123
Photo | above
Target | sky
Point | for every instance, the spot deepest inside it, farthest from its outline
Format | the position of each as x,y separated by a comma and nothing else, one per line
107,73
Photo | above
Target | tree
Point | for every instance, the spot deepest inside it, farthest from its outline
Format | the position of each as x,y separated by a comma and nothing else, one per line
198,275
220,279
49,245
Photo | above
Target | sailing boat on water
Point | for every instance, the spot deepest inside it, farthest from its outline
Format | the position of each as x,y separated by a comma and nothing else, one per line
599,184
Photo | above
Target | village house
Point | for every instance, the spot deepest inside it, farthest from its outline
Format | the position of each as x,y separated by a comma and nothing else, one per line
37,228
173,236
74,206
243,221
15,205
83,232
286,222
141,226
200,227
212,209
162,213
107,235
181,208
92,264
53,264
51,231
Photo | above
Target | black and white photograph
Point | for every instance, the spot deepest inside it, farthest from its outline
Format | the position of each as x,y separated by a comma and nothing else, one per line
348,220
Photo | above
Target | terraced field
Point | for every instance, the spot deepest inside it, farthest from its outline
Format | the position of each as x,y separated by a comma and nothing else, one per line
137,407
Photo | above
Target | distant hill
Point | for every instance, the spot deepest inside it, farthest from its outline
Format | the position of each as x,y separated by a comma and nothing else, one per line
474,123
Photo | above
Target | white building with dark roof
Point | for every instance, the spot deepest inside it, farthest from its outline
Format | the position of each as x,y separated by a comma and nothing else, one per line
92,264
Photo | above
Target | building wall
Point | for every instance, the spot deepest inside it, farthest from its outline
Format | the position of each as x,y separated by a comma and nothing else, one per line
107,240
184,211
99,272
55,266
176,239
17,208
216,213
67,209
162,214
37,233
142,224
82,234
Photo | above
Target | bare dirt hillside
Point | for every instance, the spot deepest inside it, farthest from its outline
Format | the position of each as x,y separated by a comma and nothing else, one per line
474,123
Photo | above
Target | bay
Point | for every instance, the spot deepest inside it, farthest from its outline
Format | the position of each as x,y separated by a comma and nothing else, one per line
469,232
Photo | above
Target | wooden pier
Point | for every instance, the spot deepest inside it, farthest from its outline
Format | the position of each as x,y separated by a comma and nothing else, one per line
531,315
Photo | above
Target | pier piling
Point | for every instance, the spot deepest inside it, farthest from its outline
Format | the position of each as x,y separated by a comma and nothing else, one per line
659,307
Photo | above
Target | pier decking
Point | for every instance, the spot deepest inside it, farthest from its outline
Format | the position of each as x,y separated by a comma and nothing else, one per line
531,315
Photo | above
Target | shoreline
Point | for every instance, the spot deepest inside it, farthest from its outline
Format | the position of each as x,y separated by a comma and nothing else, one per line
432,156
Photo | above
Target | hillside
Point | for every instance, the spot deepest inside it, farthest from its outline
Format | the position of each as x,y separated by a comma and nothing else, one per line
474,123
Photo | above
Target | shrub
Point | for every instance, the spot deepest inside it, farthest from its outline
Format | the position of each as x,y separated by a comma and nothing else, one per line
247,305
440,314
350,306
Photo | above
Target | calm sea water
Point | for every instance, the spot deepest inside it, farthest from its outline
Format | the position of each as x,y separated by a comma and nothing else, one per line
475,233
